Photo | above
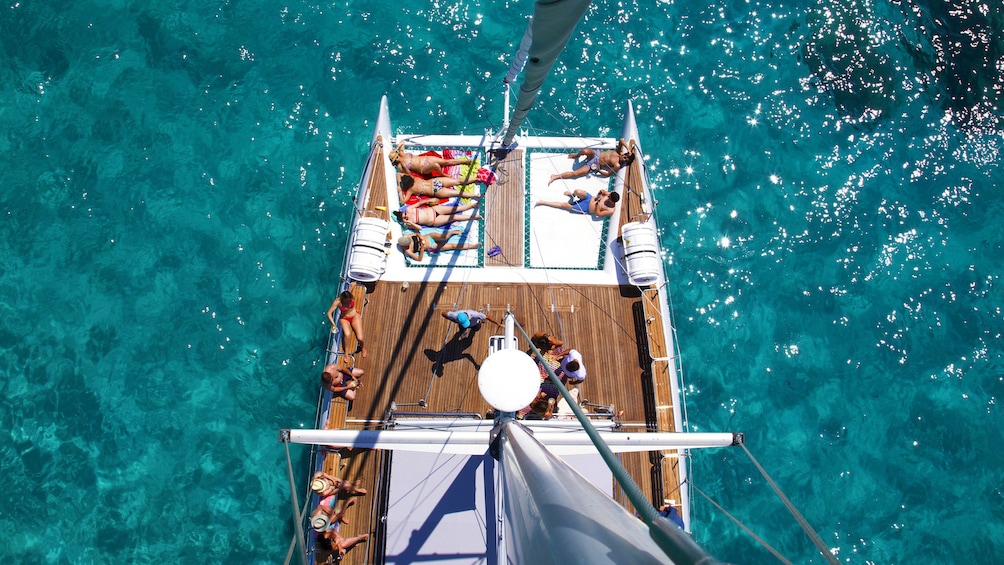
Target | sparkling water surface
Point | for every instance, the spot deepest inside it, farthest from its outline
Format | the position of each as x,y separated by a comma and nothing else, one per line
178,177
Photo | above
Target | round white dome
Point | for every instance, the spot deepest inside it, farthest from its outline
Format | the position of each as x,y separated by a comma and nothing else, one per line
509,380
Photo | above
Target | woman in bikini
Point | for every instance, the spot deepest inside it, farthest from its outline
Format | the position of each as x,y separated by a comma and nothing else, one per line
326,485
331,544
430,214
415,245
326,517
438,187
349,318
421,164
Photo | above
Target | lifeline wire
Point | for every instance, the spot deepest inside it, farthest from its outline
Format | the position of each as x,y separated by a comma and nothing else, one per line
296,505
766,545
818,541
292,542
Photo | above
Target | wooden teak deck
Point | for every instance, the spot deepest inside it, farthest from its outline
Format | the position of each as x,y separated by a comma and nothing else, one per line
418,361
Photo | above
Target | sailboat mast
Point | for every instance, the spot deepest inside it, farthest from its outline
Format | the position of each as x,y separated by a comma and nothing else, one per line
549,31
516,67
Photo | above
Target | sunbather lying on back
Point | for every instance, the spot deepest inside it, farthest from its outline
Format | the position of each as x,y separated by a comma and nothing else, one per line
440,187
421,164
416,245
431,214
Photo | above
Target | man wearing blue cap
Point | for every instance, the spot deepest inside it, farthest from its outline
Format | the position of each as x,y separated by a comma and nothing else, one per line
467,319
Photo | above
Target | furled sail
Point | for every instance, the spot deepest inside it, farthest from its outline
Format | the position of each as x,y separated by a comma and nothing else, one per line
548,32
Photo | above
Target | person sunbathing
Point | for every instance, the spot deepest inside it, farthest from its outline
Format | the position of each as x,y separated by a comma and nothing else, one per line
326,485
582,202
421,164
331,544
542,408
431,214
326,517
603,164
416,245
545,341
440,187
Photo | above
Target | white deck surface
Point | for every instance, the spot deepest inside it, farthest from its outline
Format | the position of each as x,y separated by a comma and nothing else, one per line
563,239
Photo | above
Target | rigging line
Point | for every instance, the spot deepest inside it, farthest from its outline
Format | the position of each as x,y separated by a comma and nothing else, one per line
485,114
294,501
292,542
567,125
439,358
550,283
525,283
489,194
759,540
440,365
816,540
676,349
550,288
629,335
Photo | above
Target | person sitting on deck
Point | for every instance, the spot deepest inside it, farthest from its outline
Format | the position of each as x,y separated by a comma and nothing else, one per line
603,164
441,187
552,352
326,485
325,517
341,380
542,408
582,202
421,164
331,543
416,245
350,319
670,513
431,214
468,319
564,411
545,342
572,370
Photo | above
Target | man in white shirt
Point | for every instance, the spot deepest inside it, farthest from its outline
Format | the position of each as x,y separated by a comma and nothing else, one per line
572,367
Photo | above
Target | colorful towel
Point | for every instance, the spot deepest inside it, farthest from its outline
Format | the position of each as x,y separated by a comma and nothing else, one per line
483,175
434,174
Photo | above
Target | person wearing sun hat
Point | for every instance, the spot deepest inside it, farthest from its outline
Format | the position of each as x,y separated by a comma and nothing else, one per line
325,516
326,485
416,245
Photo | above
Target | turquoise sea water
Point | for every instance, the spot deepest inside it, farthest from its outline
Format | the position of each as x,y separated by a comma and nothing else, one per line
175,183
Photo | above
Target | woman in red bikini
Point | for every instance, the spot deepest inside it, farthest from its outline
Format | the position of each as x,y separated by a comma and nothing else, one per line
349,318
